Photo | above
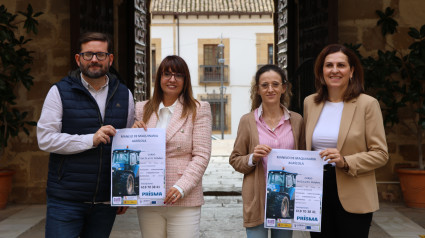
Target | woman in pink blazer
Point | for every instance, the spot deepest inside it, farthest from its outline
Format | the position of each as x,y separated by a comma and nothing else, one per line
346,126
188,149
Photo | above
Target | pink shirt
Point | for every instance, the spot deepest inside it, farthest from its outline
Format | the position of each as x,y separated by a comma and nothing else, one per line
280,137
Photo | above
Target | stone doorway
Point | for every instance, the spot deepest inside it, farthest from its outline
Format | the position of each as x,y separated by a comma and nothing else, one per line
302,29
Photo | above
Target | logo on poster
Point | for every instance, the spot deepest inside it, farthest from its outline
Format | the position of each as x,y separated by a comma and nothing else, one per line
149,193
271,222
306,218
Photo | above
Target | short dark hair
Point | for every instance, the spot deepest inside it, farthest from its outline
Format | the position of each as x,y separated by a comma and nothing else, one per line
355,85
285,98
95,36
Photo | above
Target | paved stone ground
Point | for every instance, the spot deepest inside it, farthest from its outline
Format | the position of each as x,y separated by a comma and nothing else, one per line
221,218
221,215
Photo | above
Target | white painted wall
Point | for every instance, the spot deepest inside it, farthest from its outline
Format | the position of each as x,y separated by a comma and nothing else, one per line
243,52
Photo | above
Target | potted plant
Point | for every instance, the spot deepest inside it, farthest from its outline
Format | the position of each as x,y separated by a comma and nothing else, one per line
397,78
14,72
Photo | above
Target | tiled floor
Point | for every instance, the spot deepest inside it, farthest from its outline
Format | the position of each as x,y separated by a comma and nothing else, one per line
397,224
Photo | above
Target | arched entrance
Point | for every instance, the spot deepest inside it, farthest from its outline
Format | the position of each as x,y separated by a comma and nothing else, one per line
302,29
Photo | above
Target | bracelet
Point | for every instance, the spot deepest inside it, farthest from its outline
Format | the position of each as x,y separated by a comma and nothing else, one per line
346,167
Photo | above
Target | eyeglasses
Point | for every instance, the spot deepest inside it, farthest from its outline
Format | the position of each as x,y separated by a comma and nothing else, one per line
177,76
274,85
99,55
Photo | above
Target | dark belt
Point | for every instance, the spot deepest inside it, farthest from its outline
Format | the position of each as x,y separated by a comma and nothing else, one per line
328,167
107,203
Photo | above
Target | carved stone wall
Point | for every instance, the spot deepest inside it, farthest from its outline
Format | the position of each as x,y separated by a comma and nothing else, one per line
359,26
51,62
141,71
281,22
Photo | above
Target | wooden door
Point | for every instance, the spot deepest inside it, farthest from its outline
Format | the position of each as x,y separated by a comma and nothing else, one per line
132,40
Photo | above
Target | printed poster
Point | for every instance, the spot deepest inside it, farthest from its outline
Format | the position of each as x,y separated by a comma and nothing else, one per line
138,167
294,190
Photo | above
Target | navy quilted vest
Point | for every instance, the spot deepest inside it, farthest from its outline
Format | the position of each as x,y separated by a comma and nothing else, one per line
86,176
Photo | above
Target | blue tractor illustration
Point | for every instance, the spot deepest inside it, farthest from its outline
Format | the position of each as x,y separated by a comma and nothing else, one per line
280,194
125,172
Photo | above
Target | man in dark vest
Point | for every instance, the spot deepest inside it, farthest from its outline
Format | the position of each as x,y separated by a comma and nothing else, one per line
80,115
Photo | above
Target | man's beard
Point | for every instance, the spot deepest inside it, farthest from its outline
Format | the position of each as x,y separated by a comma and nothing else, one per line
85,70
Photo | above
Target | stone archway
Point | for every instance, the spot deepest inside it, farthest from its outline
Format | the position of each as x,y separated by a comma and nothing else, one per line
302,29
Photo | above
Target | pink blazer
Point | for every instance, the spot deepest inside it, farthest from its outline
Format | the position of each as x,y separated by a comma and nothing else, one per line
188,150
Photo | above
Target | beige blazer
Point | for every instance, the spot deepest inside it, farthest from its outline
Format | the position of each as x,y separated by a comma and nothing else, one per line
361,140
188,150
254,185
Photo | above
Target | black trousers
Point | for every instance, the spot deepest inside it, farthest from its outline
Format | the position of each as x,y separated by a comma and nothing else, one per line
336,222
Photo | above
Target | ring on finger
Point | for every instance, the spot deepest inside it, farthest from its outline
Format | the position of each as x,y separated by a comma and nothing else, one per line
174,196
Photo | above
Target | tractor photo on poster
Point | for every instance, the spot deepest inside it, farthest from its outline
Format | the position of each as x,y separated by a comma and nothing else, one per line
125,172
280,194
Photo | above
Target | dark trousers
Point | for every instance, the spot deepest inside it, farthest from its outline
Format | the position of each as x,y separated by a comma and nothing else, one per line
336,222
85,220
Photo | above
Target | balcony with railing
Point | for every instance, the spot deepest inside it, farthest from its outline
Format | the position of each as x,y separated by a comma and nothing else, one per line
215,104
212,73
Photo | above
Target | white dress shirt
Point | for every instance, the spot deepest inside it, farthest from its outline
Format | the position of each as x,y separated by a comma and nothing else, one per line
164,117
49,126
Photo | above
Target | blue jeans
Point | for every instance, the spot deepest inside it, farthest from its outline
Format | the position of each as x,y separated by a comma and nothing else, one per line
67,219
261,232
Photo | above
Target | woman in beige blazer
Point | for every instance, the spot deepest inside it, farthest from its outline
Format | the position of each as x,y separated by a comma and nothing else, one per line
346,126
188,149
269,125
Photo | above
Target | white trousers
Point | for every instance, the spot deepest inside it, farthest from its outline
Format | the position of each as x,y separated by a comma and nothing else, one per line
169,222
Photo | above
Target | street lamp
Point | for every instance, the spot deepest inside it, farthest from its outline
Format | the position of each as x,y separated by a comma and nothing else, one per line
221,63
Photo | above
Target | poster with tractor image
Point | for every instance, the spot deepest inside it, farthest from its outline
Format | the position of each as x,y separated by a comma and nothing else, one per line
138,167
293,190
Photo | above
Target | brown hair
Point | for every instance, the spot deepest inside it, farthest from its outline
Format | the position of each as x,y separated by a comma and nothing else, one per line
285,98
355,84
95,36
175,64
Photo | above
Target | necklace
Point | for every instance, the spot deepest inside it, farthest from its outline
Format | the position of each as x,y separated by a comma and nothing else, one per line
272,122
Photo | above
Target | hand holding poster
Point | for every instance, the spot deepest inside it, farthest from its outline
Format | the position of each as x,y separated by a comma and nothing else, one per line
138,167
294,190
